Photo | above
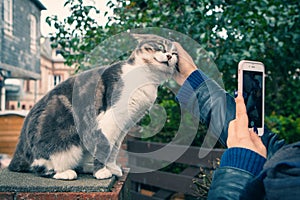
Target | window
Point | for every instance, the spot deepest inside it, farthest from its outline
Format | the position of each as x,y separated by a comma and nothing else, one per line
57,79
33,34
8,16
27,82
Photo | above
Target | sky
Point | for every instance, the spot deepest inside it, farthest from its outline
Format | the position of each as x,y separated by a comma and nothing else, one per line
56,7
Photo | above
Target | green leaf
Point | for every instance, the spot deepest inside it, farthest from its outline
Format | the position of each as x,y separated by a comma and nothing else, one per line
56,25
48,20
266,30
70,20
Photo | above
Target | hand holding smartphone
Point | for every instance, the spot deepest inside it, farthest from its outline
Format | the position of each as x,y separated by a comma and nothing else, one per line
251,83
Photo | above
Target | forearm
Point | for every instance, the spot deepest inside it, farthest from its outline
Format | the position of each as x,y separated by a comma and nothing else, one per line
209,102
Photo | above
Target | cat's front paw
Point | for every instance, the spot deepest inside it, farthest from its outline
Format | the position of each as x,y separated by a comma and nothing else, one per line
66,175
103,173
115,169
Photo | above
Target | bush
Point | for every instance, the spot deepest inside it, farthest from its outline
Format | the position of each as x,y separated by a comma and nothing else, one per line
287,128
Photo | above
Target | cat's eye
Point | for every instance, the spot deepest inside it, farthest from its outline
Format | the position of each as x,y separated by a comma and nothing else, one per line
161,47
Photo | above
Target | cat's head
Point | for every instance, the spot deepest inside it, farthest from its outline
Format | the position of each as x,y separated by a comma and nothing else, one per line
156,52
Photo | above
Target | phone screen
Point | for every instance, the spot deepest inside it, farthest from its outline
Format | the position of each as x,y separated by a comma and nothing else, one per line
253,96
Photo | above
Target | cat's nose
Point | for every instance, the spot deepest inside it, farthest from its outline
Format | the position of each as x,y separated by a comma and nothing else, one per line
169,56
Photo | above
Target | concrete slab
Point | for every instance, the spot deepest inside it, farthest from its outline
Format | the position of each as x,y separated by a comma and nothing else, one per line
28,182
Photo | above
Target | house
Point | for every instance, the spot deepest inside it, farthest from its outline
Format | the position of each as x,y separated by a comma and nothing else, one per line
52,71
29,68
19,47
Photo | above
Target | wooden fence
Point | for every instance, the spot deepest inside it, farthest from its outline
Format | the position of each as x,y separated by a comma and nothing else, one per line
10,128
164,184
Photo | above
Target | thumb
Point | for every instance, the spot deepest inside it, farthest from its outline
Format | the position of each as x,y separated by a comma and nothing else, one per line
231,133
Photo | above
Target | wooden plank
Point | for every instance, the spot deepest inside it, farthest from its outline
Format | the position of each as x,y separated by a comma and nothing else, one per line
167,181
10,129
9,151
12,122
8,144
190,156
166,194
190,171
9,138
9,133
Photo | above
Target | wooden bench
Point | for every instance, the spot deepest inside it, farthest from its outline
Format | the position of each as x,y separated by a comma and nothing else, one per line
166,183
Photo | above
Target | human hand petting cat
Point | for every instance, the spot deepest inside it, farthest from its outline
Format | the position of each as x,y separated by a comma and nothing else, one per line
239,134
185,63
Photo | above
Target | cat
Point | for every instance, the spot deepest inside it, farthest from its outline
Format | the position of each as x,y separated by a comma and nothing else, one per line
51,145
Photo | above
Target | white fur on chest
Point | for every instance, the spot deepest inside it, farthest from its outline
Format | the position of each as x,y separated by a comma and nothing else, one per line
140,87
139,91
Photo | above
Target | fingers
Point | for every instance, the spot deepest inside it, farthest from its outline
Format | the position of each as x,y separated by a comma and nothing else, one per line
241,113
185,63
240,105
256,140
184,58
178,46
239,134
232,134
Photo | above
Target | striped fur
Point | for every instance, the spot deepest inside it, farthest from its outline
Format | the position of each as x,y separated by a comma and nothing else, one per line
50,144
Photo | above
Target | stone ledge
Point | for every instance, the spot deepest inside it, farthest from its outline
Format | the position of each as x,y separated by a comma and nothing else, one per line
29,186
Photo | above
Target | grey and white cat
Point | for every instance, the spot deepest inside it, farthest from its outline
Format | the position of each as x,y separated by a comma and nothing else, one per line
50,143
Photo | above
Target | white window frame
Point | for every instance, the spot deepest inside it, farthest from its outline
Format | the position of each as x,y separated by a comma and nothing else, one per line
56,79
33,33
8,17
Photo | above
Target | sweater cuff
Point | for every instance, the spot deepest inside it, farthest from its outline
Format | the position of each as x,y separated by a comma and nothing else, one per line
195,79
244,159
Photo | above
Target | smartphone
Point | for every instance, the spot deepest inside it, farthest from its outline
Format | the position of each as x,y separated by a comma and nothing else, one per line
251,83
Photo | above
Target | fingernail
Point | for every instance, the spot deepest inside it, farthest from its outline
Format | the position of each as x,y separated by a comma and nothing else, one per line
235,93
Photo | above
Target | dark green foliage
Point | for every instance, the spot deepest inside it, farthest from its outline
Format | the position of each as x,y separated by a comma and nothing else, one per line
287,127
264,30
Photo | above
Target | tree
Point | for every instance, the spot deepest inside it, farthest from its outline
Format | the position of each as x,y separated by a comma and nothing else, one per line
265,30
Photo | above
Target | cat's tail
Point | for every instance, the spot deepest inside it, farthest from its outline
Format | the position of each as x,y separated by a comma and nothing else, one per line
18,165
19,162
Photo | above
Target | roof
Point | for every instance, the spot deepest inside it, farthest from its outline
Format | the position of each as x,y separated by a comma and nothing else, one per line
16,72
46,49
39,4
20,113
